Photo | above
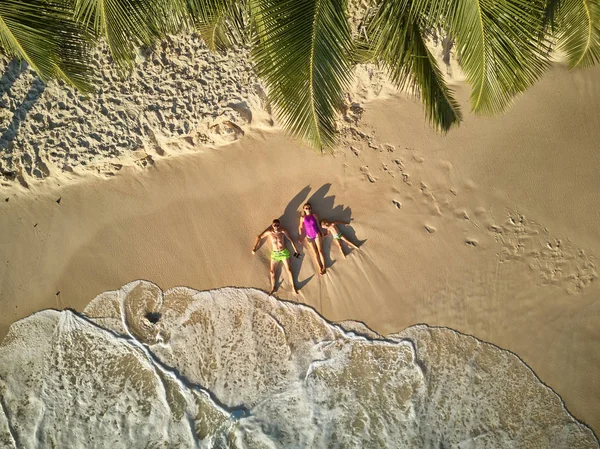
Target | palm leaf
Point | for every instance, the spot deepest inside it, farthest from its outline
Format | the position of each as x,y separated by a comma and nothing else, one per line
399,43
74,57
303,55
221,23
578,30
501,43
550,13
43,34
125,24
173,17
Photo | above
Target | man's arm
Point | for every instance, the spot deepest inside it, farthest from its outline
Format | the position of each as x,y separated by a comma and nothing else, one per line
341,222
259,237
289,237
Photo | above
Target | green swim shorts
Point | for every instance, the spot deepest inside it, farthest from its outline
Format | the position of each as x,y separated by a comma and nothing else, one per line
337,237
281,255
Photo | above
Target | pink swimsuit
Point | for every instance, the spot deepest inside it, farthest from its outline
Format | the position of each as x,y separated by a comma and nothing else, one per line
311,227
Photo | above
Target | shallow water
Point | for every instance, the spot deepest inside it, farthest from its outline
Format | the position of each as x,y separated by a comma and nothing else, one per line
237,368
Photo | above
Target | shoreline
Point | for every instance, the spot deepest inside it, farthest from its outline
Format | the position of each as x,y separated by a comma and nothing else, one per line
434,257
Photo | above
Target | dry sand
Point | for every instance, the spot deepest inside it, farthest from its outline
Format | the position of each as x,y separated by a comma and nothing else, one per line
178,89
492,230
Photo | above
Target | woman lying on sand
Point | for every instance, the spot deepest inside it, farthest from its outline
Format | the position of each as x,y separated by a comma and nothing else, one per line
331,228
309,222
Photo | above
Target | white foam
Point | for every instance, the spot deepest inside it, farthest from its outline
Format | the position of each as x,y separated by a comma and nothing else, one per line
237,368
86,387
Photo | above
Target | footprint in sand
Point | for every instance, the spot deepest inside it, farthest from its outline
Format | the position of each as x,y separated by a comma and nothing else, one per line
471,242
496,229
389,147
462,214
429,229
145,161
355,151
553,260
398,204
406,179
399,163
365,170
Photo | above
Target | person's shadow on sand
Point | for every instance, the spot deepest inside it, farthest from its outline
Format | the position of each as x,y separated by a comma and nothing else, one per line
289,220
324,206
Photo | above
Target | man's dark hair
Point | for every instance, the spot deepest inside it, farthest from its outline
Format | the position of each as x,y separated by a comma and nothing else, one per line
276,221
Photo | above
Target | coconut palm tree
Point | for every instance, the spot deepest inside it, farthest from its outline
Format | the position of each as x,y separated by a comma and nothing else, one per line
305,50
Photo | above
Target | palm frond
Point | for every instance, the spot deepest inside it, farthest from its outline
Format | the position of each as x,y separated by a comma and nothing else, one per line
221,23
399,43
550,13
173,17
578,30
44,34
74,57
303,56
502,44
125,24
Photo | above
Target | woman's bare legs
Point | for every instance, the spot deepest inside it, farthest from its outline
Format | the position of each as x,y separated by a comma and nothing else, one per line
315,251
321,256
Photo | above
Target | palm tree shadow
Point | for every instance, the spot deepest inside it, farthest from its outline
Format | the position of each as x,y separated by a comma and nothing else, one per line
12,130
9,77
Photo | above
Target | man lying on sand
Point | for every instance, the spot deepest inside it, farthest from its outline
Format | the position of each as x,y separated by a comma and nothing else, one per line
331,228
279,253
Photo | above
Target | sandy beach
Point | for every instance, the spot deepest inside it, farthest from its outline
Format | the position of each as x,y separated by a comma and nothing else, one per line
491,230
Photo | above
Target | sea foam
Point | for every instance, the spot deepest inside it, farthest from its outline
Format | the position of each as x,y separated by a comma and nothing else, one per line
237,368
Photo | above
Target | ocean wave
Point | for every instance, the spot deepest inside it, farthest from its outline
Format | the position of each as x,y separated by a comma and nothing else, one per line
237,368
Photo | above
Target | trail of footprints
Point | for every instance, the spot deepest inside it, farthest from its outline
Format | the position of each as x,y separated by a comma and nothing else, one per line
553,261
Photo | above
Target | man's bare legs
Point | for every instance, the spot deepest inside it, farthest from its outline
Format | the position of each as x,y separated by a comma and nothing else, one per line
288,268
273,272
321,256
